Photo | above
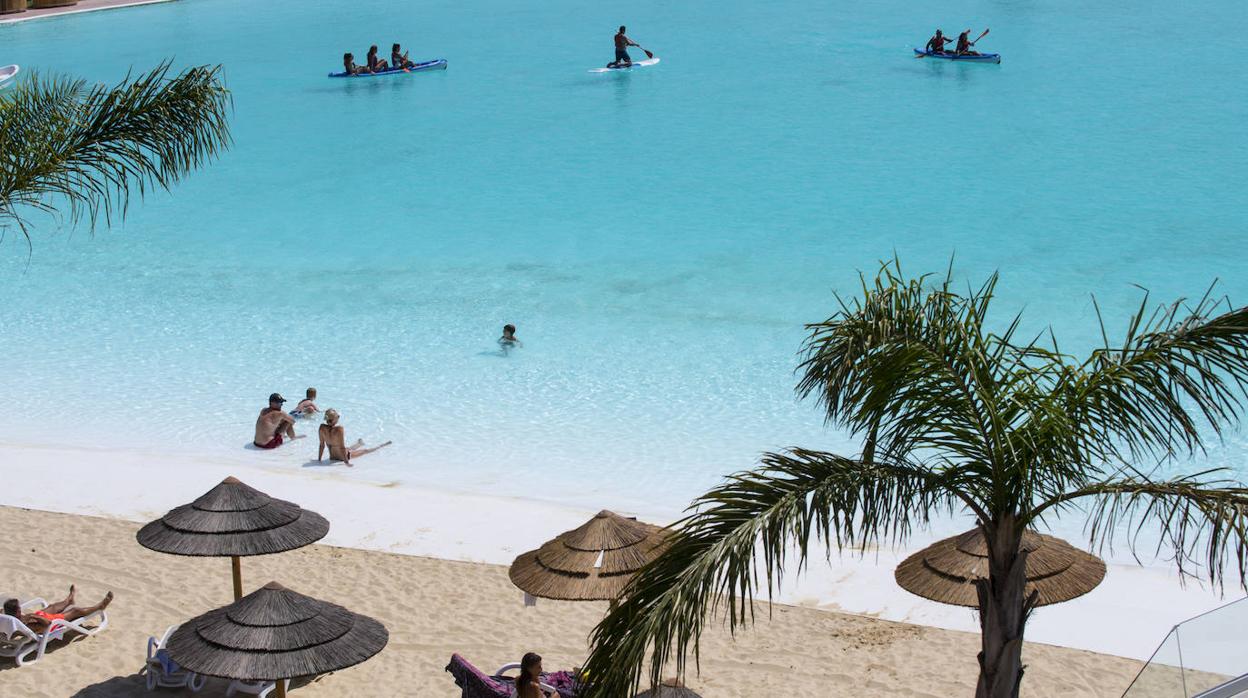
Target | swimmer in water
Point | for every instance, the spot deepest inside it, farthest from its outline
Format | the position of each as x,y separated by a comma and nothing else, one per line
307,406
509,340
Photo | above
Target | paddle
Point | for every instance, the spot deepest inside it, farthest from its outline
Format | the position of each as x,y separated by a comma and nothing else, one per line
980,37
648,54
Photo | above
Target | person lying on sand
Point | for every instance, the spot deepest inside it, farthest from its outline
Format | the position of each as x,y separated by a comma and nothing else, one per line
335,437
41,621
272,423
307,406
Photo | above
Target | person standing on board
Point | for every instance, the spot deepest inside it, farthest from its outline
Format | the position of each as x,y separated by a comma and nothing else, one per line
272,423
622,43
936,44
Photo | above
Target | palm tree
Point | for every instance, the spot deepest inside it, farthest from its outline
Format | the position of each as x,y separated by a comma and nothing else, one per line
956,418
69,148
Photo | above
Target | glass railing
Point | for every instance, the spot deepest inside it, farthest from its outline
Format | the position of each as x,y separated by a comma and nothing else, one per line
1204,657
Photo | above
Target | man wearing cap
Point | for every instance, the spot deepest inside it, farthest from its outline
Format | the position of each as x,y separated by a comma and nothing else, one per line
272,422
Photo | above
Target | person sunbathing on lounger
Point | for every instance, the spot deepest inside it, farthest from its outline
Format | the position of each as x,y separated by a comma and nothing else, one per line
335,437
41,621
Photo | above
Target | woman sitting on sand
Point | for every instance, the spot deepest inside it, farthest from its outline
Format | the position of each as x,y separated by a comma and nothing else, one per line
335,437
529,682
41,621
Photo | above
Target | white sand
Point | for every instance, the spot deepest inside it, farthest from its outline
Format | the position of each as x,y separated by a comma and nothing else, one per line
435,607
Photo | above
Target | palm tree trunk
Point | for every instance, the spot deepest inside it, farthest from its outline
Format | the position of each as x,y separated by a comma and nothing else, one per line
1003,611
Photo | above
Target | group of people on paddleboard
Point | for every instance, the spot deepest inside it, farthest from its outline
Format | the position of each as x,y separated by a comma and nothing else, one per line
936,44
376,64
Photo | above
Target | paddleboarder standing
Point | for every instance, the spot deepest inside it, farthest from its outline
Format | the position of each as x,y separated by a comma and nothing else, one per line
622,43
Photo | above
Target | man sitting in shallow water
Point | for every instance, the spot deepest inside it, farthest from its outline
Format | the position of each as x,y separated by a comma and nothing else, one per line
272,423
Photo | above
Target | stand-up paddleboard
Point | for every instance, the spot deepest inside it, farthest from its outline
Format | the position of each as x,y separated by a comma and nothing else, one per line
8,72
976,58
635,64
436,64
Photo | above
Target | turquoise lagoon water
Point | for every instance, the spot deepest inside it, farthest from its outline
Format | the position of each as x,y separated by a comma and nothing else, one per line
659,237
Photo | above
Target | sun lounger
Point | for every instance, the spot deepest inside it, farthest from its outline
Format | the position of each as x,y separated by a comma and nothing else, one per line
163,672
255,688
475,684
20,642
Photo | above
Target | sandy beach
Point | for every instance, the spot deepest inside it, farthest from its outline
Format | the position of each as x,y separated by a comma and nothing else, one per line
435,607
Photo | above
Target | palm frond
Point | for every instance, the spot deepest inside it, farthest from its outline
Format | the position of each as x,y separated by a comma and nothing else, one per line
791,501
1197,517
1175,369
66,147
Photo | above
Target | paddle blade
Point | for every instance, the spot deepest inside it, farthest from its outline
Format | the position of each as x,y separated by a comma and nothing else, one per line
648,54
920,55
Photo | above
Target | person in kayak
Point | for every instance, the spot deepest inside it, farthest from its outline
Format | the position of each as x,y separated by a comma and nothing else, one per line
349,66
375,64
622,43
936,44
964,45
399,60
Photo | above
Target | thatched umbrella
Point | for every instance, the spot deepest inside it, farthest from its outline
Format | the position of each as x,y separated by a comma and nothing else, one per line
590,563
273,634
233,520
946,570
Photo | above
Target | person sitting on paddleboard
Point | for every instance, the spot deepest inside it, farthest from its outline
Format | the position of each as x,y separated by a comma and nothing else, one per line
374,63
936,44
399,60
348,65
621,49
965,44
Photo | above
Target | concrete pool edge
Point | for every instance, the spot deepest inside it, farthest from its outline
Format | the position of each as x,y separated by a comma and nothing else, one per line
82,7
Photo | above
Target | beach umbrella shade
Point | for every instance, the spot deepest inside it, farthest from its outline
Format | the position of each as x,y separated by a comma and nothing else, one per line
946,570
274,634
233,520
590,563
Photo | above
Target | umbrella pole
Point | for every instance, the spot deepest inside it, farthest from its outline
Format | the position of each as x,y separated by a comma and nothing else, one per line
281,689
238,582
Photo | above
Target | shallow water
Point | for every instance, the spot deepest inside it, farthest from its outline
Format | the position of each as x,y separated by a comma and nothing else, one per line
659,237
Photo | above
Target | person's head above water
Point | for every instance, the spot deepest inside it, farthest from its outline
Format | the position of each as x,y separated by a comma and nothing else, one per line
13,607
372,49
276,400
509,331
622,28
939,33
347,57
395,48
311,393
331,416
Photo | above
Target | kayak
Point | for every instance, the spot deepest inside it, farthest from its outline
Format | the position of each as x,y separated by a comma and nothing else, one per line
435,64
8,72
981,58
635,64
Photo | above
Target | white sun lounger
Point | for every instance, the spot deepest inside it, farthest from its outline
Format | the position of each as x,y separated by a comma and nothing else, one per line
19,642
162,672
255,688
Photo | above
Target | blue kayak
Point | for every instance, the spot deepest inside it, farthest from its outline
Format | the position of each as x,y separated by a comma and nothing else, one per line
436,64
981,58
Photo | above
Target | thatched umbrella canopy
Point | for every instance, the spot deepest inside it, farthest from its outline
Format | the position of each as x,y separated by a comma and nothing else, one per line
946,570
233,520
273,634
590,563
